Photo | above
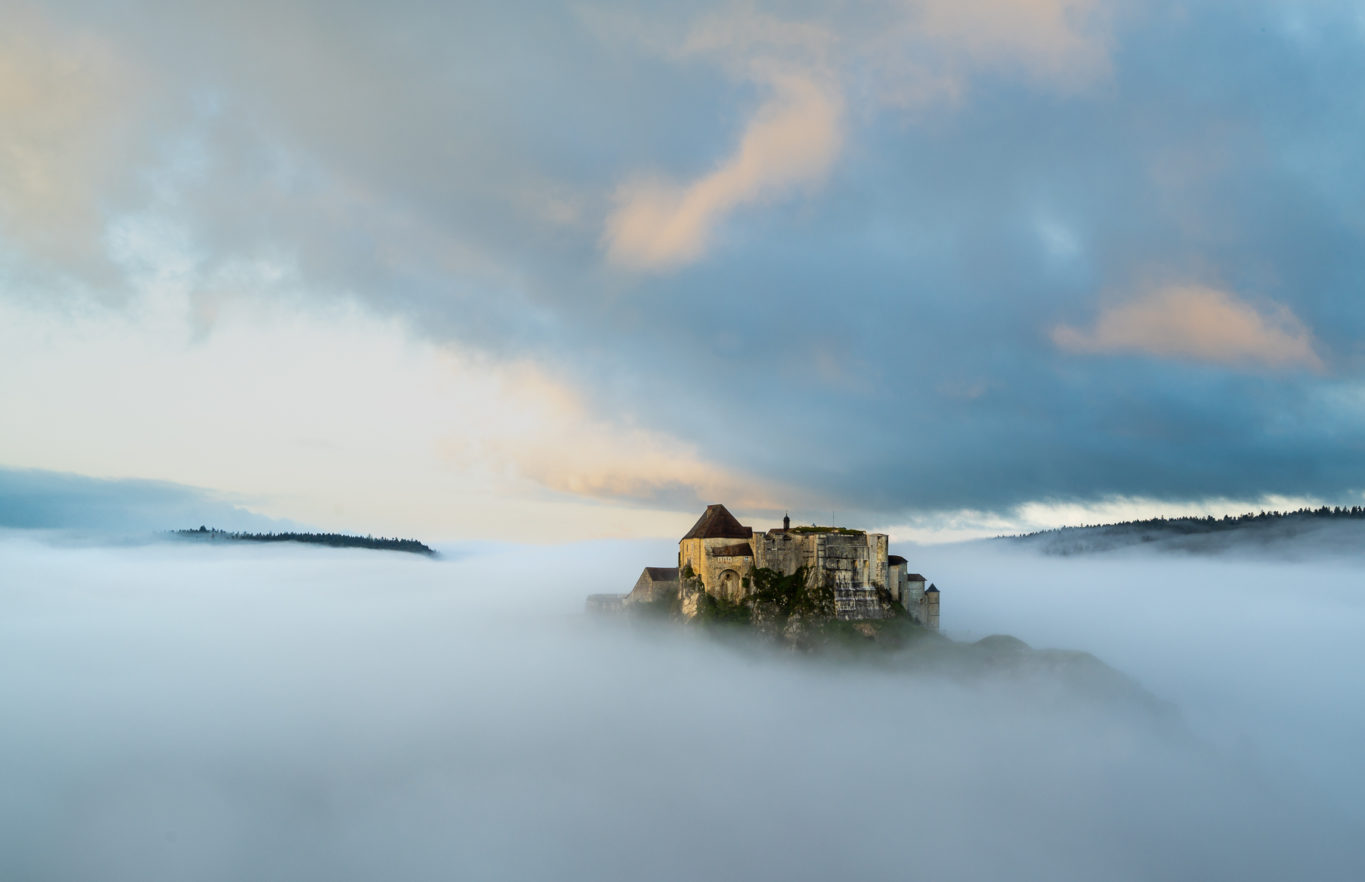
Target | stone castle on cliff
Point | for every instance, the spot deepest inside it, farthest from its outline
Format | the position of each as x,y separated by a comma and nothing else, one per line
719,556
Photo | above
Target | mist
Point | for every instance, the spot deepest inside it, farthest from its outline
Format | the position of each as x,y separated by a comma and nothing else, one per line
1259,640
181,711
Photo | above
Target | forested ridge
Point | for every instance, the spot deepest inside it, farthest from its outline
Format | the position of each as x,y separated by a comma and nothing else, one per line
1210,524
334,540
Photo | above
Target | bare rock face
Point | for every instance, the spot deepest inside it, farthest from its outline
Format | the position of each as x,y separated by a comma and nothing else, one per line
692,598
796,632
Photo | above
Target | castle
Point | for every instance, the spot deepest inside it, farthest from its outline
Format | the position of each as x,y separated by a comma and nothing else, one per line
719,555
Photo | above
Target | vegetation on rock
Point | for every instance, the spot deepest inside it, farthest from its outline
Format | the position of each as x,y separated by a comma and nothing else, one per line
786,610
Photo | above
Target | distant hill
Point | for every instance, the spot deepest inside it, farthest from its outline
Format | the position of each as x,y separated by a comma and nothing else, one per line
333,540
1306,532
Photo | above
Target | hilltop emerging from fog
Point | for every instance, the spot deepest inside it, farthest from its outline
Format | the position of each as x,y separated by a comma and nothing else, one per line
332,540
1304,533
836,593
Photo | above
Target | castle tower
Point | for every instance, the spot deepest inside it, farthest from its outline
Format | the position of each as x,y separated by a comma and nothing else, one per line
930,619
719,552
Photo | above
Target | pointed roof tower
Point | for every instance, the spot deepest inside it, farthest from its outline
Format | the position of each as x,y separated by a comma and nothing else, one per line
717,523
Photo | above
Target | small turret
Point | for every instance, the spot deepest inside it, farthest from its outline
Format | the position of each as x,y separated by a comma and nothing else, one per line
786,522
930,603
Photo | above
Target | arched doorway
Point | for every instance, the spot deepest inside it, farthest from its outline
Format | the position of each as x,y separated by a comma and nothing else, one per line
730,587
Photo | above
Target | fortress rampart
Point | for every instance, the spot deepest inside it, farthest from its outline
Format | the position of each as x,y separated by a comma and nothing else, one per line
719,556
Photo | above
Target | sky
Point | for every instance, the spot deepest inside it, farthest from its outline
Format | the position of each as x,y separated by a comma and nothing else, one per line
565,271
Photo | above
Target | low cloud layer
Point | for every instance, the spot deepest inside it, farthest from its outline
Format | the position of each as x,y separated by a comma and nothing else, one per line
215,713
1256,643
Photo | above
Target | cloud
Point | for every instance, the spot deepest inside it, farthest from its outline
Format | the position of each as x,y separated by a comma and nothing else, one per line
546,433
791,141
1199,324
453,169
743,36
926,47
36,499
225,713
447,443
1058,41
71,108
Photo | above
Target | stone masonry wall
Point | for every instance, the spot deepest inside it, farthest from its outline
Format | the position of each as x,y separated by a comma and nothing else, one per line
850,560
711,568
854,565
783,551
857,604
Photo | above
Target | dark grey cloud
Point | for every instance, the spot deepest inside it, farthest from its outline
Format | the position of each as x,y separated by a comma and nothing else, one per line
881,342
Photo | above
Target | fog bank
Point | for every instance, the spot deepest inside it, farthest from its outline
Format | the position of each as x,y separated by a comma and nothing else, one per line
185,712
1262,648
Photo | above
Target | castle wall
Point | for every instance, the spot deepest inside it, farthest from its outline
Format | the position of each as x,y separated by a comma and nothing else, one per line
719,559
924,609
930,619
691,556
853,565
783,551
859,604
849,560
728,576
914,599
650,590
877,549
896,583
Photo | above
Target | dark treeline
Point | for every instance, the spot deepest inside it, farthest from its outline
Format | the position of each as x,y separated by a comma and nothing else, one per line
1210,524
335,540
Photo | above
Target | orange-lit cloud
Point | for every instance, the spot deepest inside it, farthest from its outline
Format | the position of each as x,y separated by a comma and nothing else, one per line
341,417
1050,38
792,140
920,50
546,434
925,52
69,108
1200,324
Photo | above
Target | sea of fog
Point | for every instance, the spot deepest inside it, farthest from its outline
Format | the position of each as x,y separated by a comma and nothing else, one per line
181,711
